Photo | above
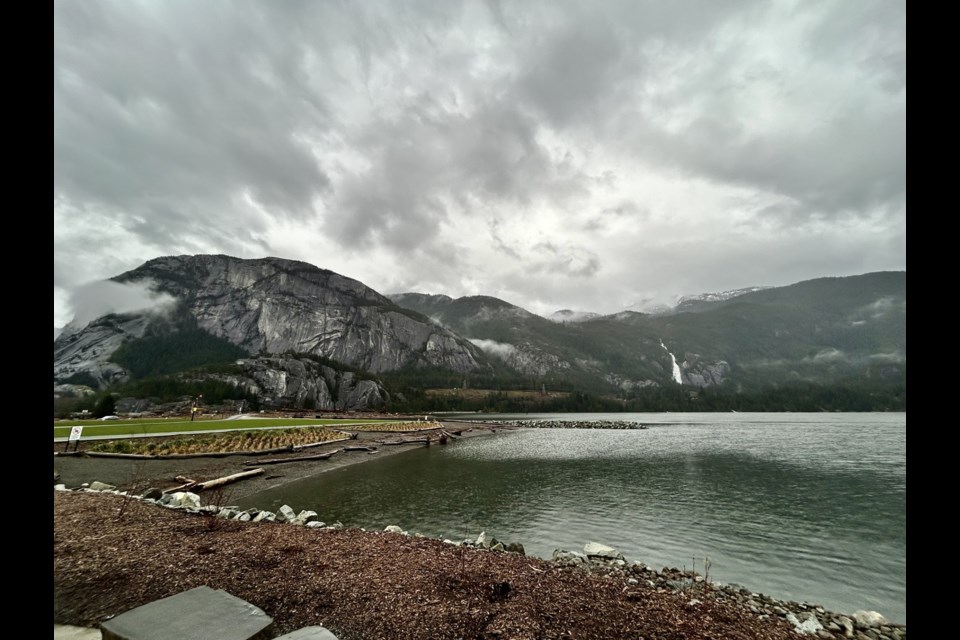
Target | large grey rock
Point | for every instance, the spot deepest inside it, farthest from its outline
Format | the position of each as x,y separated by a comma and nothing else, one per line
308,633
153,493
305,517
96,485
265,516
597,550
286,514
201,613
809,626
868,618
184,499
485,541
394,529
563,557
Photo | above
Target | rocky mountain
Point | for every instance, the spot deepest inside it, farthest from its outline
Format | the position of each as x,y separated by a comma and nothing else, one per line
296,335
819,331
269,305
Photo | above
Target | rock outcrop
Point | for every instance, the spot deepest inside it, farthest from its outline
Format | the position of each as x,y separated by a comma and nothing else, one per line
297,383
271,305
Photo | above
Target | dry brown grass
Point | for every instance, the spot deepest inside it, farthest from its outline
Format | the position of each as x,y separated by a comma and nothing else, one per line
215,443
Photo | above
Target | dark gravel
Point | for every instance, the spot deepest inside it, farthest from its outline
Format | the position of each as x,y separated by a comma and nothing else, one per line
113,554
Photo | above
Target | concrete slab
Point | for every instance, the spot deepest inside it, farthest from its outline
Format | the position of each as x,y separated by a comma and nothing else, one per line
68,632
308,633
198,614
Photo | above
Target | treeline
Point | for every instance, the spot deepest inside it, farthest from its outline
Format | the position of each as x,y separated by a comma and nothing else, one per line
170,389
161,389
500,378
800,397
177,345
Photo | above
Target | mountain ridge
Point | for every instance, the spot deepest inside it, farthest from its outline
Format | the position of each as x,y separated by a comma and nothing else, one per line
819,331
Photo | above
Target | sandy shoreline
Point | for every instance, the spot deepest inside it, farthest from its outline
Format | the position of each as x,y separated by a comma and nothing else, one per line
160,473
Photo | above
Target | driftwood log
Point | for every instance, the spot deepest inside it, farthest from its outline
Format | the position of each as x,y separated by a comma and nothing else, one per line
216,482
319,456
219,482
425,441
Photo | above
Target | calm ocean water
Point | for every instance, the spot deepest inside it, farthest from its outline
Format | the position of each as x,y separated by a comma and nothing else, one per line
807,507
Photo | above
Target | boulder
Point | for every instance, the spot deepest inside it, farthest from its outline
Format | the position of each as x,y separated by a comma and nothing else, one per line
306,516
568,558
868,619
184,499
286,514
597,550
96,485
395,529
809,626
153,493
485,541
516,547
268,516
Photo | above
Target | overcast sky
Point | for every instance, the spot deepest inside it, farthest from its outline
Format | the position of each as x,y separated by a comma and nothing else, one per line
583,155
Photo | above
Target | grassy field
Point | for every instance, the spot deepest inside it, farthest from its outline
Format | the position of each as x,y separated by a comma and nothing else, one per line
160,426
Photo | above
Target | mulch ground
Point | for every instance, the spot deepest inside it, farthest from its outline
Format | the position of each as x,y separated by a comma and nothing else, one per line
112,554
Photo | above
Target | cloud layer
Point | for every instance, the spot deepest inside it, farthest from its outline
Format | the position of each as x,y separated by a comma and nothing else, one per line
556,154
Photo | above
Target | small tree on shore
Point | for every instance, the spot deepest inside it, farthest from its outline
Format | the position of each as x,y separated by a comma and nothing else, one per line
105,406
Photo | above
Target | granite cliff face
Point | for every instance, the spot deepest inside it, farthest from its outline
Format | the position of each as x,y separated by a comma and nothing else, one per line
87,350
272,305
300,383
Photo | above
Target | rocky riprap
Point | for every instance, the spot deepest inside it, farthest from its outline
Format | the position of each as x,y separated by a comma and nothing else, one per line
807,619
569,424
695,595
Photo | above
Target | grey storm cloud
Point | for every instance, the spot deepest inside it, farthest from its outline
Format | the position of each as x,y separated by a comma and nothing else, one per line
95,299
571,154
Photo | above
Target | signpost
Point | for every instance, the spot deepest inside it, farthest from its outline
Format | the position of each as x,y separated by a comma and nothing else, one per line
74,437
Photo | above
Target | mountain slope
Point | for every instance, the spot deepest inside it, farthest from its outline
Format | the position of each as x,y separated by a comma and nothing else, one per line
820,330
270,305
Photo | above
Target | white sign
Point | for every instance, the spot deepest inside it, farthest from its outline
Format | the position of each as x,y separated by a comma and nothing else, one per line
75,433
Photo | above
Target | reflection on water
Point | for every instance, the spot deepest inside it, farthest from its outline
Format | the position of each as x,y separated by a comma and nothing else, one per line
808,507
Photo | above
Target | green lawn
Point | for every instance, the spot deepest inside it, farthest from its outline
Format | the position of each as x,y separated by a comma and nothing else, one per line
154,426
